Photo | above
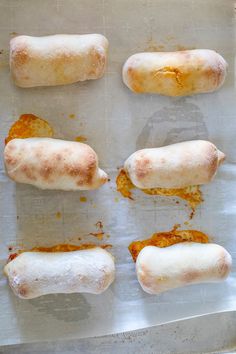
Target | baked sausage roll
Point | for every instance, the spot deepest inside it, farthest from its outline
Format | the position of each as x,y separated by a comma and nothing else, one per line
175,73
174,166
53,164
162,269
57,60
33,274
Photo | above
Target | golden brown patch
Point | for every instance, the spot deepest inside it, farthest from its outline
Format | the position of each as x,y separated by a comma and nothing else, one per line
124,184
214,75
169,238
58,215
73,170
98,58
65,247
134,80
108,245
191,194
46,170
80,138
190,276
14,33
29,172
87,171
28,126
20,56
170,72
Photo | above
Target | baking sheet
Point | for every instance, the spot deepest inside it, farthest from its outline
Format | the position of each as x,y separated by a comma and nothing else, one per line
117,122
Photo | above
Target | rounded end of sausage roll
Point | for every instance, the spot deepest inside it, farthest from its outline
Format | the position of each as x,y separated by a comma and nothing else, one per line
221,157
163,269
175,73
53,164
100,179
58,59
174,166
33,274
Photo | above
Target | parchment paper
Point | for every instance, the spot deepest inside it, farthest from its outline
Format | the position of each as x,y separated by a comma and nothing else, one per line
117,122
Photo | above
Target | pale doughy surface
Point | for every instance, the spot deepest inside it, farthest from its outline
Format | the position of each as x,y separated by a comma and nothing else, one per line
179,73
33,274
174,166
162,269
57,60
53,164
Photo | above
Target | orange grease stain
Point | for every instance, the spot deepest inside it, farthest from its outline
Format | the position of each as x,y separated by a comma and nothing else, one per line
153,46
169,238
124,184
98,235
80,139
191,194
28,126
63,247
83,199
181,47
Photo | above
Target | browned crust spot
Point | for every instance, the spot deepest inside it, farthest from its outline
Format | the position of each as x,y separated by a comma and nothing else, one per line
212,154
28,172
23,290
10,160
142,167
190,276
87,172
223,265
19,56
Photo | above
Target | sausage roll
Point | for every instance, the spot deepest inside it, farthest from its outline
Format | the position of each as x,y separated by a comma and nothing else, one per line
162,269
174,166
33,274
53,164
57,60
175,73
